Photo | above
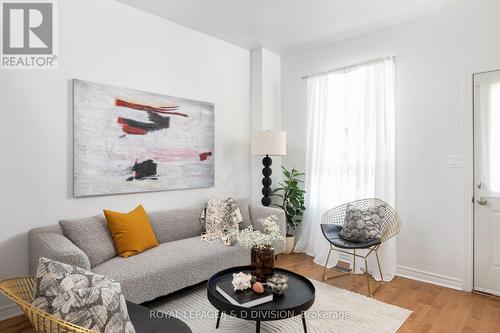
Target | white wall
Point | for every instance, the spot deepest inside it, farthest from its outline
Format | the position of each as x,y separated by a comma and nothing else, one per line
265,109
108,42
433,54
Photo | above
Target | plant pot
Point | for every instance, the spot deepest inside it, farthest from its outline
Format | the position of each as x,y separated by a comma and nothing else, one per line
262,262
289,243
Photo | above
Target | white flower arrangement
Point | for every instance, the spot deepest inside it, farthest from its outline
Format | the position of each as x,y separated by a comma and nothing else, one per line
242,281
255,238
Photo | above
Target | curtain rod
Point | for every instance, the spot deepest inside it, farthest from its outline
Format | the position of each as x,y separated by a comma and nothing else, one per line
348,67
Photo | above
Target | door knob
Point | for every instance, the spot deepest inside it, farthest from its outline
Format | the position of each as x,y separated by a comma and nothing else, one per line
482,201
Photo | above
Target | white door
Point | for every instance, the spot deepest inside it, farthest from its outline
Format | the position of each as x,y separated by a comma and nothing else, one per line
487,182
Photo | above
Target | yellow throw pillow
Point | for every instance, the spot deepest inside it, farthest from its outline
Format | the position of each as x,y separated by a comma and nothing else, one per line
132,233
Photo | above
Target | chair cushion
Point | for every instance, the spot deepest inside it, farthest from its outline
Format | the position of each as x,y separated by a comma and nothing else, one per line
81,297
132,233
363,225
331,233
149,321
171,266
92,236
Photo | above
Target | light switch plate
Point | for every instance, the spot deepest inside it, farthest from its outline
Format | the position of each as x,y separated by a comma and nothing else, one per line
454,161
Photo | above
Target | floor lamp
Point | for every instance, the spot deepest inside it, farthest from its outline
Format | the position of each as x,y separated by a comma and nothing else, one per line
268,143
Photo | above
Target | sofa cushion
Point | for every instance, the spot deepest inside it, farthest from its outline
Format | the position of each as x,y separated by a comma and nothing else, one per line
92,236
171,266
175,224
132,233
243,204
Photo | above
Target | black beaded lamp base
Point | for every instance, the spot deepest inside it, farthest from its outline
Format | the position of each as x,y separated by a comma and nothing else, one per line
266,181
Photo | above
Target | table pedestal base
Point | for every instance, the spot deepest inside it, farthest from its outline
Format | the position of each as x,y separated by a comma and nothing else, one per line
257,322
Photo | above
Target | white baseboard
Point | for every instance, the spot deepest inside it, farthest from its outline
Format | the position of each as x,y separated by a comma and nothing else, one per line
423,276
9,311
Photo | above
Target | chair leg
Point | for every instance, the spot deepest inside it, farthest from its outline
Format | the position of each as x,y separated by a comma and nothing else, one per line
354,261
379,269
325,268
380,284
367,278
326,263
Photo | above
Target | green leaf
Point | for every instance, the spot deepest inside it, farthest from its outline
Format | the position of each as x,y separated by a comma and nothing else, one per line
291,194
295,201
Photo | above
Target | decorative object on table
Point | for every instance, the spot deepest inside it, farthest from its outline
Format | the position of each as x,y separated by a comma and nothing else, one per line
258,287
363,225
81,297
221,218
291,200
278,284
299,298
268,143
246,298
241,281
335,219
261,245
262,261
128,141
132,232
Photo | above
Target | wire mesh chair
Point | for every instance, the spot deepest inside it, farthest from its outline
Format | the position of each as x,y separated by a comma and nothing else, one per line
332,223
21,291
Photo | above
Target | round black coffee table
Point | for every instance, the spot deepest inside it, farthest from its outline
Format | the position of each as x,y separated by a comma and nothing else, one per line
297,299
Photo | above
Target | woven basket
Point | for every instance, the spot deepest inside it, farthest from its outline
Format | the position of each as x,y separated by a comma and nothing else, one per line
21,291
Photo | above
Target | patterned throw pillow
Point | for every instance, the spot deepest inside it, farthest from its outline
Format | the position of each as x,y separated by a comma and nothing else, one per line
81,297
363,225
221,219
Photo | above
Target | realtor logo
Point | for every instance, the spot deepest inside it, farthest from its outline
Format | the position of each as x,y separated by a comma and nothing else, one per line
28,35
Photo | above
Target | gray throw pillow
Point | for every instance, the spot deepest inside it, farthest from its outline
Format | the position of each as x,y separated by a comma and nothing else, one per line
92,236
243,204
81,297
363,225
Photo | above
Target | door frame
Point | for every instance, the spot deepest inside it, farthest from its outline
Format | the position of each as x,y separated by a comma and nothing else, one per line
468,165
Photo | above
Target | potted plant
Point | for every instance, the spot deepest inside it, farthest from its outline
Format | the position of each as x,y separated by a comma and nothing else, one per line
261,244
291,199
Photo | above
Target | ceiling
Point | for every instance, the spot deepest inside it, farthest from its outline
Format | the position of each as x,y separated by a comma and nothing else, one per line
285,25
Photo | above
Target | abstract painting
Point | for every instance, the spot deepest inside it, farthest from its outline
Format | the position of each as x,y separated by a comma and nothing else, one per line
128,141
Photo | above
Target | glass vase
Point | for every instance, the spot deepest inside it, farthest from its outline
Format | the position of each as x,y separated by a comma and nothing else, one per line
262,262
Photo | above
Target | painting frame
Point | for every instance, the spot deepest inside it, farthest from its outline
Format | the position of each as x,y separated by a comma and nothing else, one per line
190,164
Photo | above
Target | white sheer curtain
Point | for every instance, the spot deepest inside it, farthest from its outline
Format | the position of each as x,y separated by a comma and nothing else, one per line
350,151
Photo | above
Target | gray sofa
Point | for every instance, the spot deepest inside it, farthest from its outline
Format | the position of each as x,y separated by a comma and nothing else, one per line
181,260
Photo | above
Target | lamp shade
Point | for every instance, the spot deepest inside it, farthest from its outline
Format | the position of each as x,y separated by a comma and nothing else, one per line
269,143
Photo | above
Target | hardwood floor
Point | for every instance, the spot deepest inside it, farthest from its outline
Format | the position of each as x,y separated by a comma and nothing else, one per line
16,325
435,308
